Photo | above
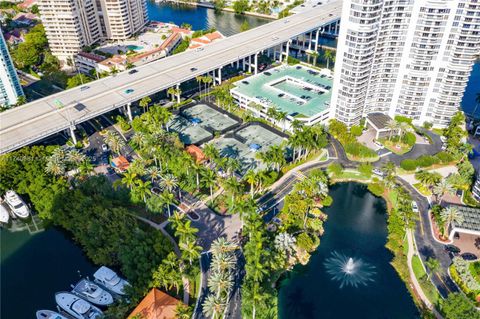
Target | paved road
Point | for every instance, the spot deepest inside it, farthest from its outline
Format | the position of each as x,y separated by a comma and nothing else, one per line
23,125
417,151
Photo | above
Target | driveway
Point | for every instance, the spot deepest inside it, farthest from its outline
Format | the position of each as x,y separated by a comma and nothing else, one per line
417,151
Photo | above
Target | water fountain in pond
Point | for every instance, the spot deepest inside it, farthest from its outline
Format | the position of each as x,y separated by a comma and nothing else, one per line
349,271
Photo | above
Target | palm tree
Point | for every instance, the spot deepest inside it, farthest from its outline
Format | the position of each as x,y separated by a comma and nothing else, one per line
75,157
251,177
207,80
199,81
433,265
211,152
85,168
272,113
144,102
314,55
280,118
198,169
154,173
220,282
139,139
142,189
209,178
213,306
190,250
176,219
450,215
129,179
441,189
185,231
169,182
55,167
167,199
403,128
221,245
392,125
328,55
114,141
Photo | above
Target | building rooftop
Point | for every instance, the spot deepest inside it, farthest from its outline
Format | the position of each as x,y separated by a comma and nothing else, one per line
379,120
298,90
156,305
471,218
91,56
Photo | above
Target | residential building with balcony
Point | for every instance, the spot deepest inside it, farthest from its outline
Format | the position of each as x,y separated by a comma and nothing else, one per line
10,88
404,57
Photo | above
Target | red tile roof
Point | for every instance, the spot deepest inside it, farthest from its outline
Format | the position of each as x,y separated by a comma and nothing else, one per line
156,305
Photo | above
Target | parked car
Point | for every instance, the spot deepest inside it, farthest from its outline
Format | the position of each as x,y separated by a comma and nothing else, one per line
379,144
443,139
452,248
104,147
459,193
104,159
110,170
378,172
414,207
468,256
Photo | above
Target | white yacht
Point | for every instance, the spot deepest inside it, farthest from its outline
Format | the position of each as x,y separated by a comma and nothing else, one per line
16,203
110,280
76,306
4,214
92,293
48,314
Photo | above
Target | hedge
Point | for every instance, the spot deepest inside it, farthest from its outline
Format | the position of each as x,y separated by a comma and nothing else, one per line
426,161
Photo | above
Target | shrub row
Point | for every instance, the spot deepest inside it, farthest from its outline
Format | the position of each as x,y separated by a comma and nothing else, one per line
426,161
359,150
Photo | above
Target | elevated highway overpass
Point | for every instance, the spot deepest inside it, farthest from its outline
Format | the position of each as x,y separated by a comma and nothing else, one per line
34,121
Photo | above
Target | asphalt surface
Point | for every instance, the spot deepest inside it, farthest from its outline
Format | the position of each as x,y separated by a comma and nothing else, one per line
31,122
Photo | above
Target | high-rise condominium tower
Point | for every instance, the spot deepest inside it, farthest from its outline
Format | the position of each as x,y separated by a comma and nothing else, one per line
404,57
71,25
10,88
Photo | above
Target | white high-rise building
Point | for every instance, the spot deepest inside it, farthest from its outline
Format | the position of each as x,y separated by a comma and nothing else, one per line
10,88
71,25
404,57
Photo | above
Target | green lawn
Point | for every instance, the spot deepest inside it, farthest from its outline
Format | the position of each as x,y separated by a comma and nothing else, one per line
427,286
392,146
352,175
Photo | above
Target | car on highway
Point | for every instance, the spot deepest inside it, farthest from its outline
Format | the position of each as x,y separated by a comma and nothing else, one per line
104,148
84,88
193,69
129,91
468,256
414,207
133,71
199,49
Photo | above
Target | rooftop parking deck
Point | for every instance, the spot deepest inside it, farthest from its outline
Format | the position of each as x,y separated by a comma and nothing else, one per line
298,90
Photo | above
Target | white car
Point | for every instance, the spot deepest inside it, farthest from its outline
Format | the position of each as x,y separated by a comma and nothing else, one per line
443,138
378,172
104,147
380,145
414,207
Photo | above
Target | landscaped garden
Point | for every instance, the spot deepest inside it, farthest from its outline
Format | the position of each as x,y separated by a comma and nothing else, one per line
466,276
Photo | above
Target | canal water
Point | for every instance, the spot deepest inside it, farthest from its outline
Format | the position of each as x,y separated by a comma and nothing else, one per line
201,18
469,103
34,267
356,228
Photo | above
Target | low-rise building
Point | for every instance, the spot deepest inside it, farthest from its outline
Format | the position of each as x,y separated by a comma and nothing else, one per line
470,221
16,36
117,62
156,305
476,188
85,61
205,39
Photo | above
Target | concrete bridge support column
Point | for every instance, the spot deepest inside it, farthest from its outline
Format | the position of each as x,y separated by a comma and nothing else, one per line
287,50
249,64
238,64
256,63
244,63
129,111
310,41
72,134
178,94
218,78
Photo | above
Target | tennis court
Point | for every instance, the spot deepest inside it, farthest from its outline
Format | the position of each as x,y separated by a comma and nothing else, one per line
245,144
197,124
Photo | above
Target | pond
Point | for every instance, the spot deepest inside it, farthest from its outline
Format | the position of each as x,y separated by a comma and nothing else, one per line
34,267
349,276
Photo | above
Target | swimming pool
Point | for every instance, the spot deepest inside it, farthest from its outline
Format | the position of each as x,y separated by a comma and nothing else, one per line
134,47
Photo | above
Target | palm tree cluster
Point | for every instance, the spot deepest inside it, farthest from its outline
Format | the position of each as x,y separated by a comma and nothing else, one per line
277,116
187,239
450,215
273,157
434,181
206,81
306,139
301,212
398,128
114,141
61,161
220,281
174,92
